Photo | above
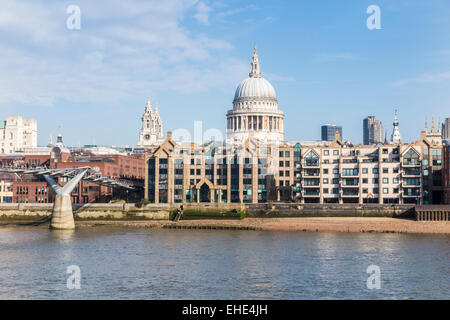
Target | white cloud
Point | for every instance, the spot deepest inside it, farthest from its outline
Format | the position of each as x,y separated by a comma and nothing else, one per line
202,15
120,51
425,78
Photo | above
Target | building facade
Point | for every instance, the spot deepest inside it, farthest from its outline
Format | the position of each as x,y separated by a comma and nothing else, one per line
446,129
17,133
372,131
304,172
6,187
255,110
328,132
446,173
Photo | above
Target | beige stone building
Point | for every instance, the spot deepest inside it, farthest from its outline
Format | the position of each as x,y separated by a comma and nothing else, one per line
306,172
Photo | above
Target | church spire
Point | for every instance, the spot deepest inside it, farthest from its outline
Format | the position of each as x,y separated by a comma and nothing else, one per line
255,73
149,106
396,137
156,107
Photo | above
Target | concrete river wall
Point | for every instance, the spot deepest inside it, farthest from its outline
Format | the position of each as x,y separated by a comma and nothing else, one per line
99,211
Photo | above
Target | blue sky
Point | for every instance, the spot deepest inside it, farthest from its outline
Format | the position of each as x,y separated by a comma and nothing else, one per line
189,56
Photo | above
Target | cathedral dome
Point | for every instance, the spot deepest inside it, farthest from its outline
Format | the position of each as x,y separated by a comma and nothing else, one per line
255,88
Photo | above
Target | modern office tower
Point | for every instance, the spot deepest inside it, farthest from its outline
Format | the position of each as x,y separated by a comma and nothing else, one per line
329,132
446,129
372,131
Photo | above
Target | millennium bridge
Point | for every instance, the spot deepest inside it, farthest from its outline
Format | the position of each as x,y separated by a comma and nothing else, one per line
62,215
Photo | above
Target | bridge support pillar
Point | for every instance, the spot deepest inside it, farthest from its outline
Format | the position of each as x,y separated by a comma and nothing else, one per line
62,217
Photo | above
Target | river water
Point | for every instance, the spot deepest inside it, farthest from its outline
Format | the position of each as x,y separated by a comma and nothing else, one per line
119,263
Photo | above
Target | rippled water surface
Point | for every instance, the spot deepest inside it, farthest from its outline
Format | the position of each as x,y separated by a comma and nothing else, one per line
120,263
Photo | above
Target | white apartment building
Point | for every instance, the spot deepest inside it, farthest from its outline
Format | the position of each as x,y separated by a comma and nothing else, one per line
17,133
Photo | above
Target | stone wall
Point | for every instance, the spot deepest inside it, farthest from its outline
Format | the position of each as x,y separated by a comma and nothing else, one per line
98,211
329,210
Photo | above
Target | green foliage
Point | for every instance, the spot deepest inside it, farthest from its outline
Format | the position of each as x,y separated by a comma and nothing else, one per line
142,203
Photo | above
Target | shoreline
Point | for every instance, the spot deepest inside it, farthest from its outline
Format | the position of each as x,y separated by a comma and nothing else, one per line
317,224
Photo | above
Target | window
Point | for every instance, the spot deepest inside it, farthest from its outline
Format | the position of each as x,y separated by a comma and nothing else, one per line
287,154
396,190
198,172
286,164
336,152
365,170
336,171
325,190
287,174
349,172
375,170
281,154
325,171
385,170
325,181
375,180
411,158
312,159
396,180
336,190
365,181
385,180
385,190
335,180
326,152
326,161
365,190
281,173
281,163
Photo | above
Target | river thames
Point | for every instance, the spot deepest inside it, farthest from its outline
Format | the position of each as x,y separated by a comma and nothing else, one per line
120,263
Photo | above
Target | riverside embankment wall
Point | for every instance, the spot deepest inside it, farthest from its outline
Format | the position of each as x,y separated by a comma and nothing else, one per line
129,211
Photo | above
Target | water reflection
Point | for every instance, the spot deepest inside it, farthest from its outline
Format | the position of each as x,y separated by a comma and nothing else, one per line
62,236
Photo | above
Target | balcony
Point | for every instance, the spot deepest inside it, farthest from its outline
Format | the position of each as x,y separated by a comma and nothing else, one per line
411,172
411,163
311,193
350,192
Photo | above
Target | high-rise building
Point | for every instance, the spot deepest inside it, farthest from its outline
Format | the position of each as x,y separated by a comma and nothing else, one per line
372,131
329,132
446,129
17,133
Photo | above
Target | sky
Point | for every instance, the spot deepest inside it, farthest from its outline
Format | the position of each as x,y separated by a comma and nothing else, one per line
189,56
